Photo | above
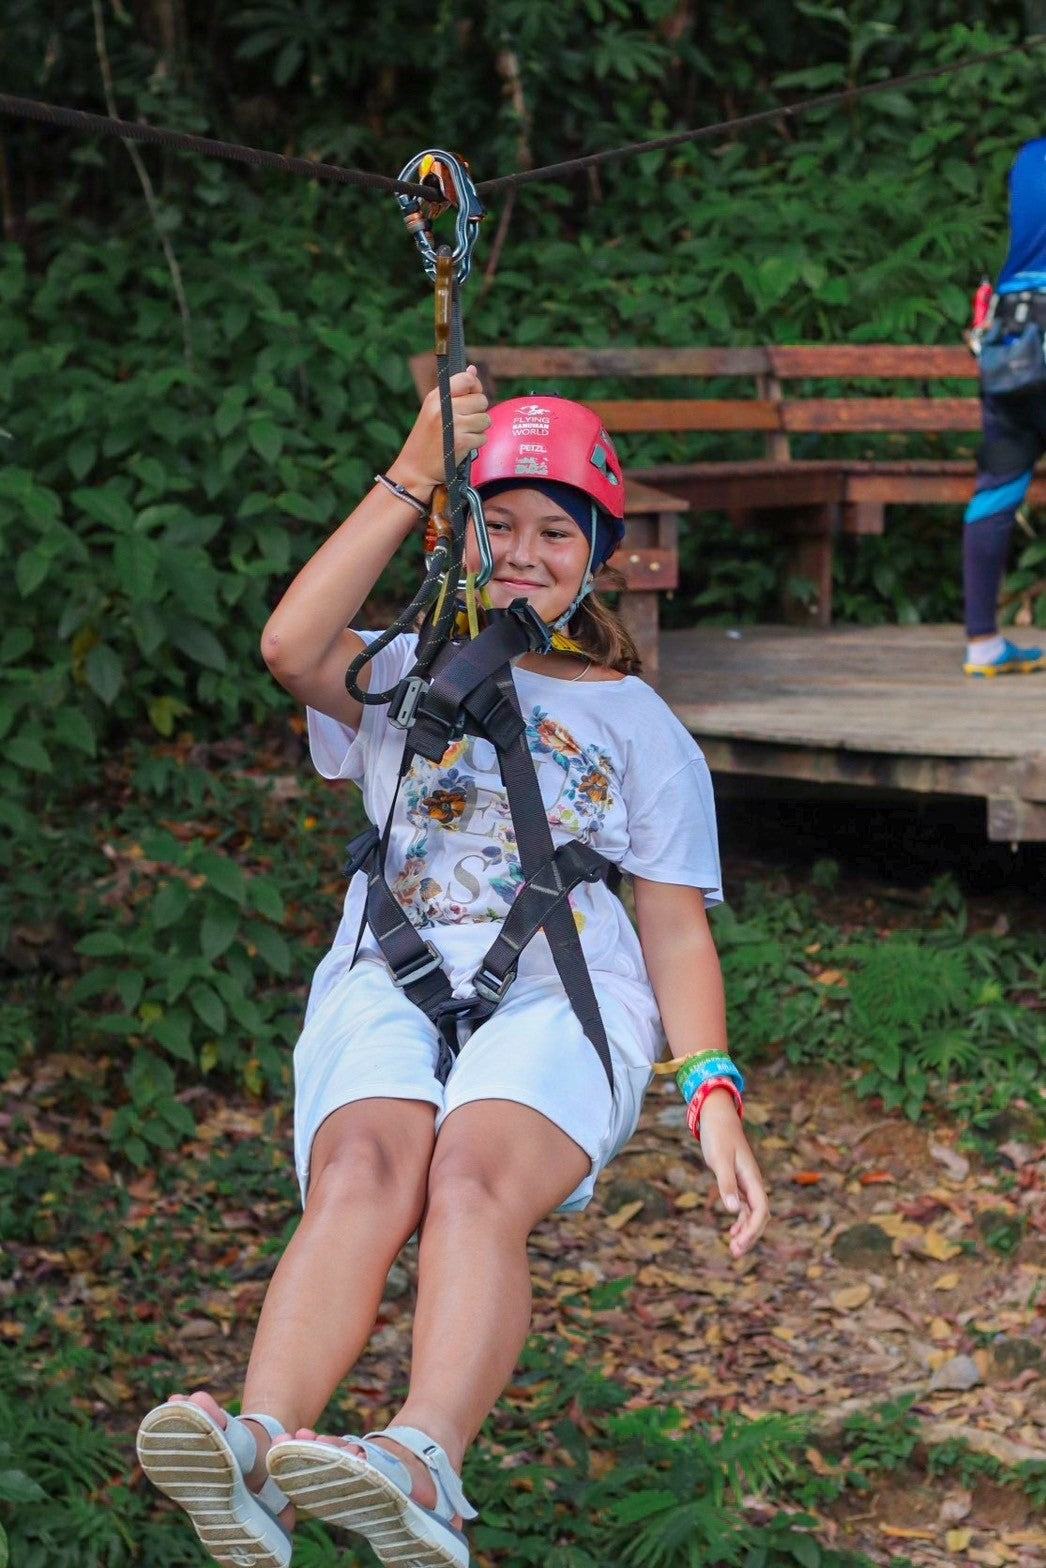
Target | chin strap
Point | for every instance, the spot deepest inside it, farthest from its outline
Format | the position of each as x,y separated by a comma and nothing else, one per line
588,582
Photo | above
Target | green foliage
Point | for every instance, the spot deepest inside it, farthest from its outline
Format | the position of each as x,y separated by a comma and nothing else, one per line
929,1014
65,1499
638,1487
881,1439
170,952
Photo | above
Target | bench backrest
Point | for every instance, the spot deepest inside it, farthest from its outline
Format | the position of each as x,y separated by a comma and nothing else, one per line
763,403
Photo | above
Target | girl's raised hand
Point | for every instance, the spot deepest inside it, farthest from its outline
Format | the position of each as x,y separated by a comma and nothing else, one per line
731,1161
419,466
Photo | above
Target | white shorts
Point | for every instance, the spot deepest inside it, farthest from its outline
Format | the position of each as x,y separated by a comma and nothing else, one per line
365,1040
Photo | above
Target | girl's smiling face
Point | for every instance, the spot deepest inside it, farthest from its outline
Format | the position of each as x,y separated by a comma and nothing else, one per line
540,553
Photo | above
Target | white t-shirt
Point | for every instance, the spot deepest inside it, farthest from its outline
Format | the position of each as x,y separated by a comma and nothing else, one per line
616,769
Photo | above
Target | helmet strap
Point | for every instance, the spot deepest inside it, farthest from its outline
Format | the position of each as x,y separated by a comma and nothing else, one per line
588,582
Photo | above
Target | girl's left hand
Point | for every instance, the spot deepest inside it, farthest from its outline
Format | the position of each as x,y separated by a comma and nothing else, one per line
729,1157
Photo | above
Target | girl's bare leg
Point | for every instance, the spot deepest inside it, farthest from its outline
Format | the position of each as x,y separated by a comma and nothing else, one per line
498,1168
366,1196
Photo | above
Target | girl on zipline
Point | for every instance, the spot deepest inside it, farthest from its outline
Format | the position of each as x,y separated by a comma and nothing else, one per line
473,1146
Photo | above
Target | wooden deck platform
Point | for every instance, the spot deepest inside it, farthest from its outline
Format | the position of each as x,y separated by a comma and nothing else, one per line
882,708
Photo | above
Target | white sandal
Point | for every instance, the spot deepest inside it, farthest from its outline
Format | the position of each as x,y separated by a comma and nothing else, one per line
371,1496
203,1468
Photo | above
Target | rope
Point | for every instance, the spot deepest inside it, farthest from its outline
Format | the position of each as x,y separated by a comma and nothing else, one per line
206,146
181,141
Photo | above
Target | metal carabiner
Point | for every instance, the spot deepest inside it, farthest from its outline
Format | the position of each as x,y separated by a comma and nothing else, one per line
486,556
451,186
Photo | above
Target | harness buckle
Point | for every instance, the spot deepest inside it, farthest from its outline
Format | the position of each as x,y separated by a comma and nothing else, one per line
492,987
538,632
359,850
408,695
418,969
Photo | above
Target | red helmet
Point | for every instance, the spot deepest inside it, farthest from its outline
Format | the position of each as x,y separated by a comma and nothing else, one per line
553,439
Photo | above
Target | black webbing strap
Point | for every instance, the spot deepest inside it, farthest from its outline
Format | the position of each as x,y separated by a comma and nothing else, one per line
413,963
536,900
439,708
536,851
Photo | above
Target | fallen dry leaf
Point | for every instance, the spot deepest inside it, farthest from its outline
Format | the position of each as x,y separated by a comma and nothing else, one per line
957,1165
955,1507
934,1244
626,1212
851,1297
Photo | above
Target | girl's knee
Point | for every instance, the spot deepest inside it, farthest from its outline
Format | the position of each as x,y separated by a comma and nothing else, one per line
366,1166
467,1189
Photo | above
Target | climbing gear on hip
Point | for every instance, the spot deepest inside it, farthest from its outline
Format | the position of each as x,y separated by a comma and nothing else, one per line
1012,352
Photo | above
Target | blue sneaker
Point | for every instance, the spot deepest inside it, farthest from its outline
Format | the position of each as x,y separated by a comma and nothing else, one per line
1011,661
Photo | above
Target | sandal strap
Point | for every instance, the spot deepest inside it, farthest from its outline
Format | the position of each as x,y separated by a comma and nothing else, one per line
450,1496
244,1446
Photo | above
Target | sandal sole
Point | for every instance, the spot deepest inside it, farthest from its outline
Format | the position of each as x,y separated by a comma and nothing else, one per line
341,1489
186,1457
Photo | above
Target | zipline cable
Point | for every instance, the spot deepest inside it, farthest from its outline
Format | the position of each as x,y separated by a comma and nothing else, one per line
208,147
745,122
205,146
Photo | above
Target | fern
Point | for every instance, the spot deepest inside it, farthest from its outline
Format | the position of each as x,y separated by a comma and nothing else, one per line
901,986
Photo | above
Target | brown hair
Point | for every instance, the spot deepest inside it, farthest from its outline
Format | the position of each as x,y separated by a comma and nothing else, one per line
600,634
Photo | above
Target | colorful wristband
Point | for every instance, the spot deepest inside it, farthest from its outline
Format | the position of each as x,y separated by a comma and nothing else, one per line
693,1110
698,1070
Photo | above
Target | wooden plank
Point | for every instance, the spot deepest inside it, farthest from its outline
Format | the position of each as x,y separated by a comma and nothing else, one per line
863,361
775,442
809,560
892,689
867,415
647,568
930,486
659,414
561,360
739,485
640,497
862,517
828,765
639,614
1013,821
915,489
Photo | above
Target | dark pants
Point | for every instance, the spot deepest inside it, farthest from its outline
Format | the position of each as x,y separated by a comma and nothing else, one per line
1014,440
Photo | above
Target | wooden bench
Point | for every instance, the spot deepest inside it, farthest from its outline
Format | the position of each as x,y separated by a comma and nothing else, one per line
766,399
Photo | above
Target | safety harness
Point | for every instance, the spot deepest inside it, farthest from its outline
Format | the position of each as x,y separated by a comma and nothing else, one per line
464,686
471,691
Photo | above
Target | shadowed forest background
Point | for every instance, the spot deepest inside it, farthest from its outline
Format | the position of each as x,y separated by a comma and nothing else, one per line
201,366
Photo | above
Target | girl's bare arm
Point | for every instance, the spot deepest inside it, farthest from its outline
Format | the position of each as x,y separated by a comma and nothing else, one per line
684,971
307,643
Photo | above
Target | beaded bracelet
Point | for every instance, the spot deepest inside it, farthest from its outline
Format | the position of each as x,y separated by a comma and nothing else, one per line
403,494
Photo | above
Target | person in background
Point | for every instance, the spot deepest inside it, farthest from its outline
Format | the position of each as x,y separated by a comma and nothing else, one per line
1013,418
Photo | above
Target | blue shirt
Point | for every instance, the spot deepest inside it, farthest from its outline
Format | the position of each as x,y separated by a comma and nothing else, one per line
1025,264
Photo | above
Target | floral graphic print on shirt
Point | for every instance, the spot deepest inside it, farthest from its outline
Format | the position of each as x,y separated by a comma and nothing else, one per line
461,861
